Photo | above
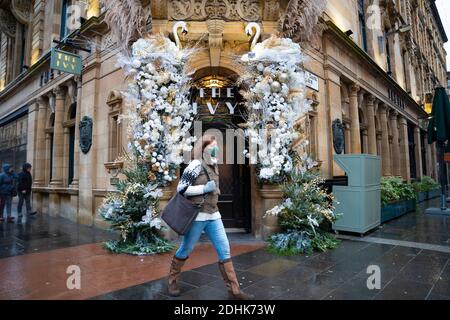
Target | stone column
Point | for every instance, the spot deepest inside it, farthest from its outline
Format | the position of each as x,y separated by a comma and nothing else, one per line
354,114
65,162
58,139
395,145
385,150
39,165
48,156
372,134
76,161
404,150
91,93
348,137
33,111
418,153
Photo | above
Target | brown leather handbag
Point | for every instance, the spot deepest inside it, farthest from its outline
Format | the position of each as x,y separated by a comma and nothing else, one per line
180,212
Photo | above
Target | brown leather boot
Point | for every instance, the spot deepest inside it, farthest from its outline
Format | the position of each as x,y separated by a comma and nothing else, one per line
229,276
175,270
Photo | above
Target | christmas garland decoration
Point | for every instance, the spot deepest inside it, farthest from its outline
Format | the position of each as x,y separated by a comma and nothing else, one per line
159,118
275,98
276,103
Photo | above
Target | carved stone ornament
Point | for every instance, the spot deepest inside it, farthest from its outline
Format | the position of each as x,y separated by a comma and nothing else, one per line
7,23
108,40
21,9
228,10
86,134
338,136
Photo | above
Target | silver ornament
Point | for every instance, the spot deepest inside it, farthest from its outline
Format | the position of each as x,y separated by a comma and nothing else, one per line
283,78
275,86
267,71
260,67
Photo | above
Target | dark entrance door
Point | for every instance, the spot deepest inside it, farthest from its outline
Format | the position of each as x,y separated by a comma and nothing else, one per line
234,201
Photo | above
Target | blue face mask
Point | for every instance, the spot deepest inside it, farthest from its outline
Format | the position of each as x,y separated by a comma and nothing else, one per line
214,152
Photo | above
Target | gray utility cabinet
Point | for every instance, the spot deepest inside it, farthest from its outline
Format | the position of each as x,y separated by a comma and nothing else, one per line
360,201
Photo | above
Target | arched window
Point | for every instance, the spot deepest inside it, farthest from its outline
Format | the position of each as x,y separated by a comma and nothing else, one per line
115,129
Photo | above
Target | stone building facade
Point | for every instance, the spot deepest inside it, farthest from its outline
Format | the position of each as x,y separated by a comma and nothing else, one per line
372,69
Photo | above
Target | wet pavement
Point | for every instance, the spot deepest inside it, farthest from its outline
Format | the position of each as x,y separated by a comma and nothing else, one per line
42,233
418,227
411,252
413,259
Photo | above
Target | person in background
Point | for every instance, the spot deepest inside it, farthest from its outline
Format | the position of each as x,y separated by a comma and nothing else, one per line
24,183
7,191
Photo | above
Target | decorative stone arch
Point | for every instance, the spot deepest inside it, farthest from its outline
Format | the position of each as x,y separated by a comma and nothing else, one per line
71,112
50,121
22,10
363,131
221,71
200,65
362,117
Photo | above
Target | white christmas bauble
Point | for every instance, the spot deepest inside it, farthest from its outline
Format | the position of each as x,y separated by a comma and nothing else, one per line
136,63
260,67
275,86
267,71
283,78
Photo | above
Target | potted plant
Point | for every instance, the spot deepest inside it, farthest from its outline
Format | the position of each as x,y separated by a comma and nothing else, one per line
397,198
304,217
427,188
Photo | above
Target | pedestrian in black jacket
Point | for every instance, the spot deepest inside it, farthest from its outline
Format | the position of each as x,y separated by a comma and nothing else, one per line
7,191
24,184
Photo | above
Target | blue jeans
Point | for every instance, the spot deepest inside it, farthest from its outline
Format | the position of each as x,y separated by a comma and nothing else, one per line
215,231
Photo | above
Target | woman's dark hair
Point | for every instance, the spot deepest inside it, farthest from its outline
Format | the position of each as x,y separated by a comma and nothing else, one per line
201,144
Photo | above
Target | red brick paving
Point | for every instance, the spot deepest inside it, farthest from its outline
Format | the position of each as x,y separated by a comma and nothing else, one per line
43,275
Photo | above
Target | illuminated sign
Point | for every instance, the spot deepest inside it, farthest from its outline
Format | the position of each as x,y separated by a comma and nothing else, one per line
65,61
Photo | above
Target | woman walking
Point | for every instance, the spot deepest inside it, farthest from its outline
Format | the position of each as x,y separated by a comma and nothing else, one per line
200,183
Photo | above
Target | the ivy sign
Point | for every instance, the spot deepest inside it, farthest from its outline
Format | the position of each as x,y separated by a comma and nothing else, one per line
65,61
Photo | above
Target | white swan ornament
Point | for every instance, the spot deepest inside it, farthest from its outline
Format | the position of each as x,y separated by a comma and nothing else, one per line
179,25
251,29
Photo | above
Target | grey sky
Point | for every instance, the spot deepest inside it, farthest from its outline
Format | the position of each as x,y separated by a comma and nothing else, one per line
444,11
